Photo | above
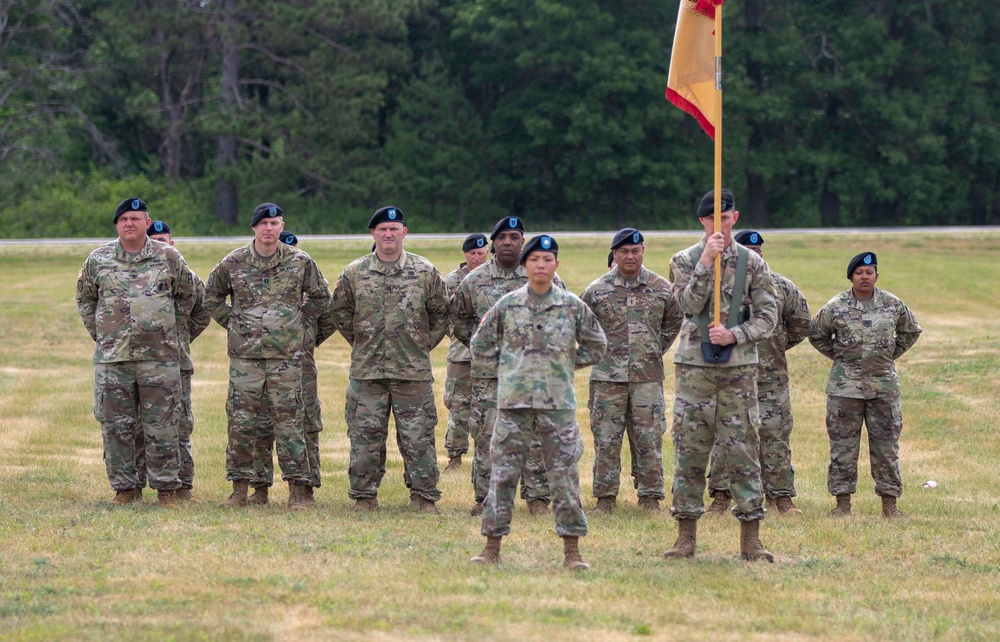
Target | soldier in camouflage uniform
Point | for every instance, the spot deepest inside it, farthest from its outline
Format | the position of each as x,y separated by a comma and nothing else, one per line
197,322
715,398
263,294
535,338
392,308
773,400
134,296
640,317
458,385
475,296
864,330
316,331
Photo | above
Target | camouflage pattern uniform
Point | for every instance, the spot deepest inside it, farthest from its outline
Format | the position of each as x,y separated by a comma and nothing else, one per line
392,317
773,400
476,294
718,402
134,307
641,319
864,337
535,344
458,384
265,318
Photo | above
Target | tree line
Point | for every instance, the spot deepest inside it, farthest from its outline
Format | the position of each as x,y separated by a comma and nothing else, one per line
837,113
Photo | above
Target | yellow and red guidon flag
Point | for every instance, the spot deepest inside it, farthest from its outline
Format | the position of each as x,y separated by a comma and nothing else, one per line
691,80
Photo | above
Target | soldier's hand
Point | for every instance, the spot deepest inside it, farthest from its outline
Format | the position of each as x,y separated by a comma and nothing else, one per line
714,245
721,335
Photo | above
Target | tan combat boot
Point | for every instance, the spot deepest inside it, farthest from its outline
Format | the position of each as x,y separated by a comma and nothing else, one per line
424,505
687,538
260,496
785,506
296,499
454,464
720,504
130,496
571,554
750,547
366,504
184,495
538,507
649,504
239,497
307,495
605,506
477,510
889,509
490,554
843,508
166,498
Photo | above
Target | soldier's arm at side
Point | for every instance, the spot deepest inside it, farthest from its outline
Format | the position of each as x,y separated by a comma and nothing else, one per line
463,314
763,307
907,331
86,298
485,342
670,324
590,338
796,317
317,291
438,318
217,292
200,318
342,307
821,333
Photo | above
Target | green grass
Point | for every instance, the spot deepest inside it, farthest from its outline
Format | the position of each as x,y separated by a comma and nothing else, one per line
73,568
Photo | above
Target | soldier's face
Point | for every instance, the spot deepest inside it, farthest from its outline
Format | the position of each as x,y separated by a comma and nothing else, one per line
863,280
726,223
132,226
266,230
541,268
163,238
389,238
629,260
756,248
475,258
508,246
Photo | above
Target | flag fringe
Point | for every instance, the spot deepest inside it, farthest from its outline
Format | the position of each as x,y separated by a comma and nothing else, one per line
687,106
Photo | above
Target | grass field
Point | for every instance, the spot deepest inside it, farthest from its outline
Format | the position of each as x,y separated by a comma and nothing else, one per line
71,567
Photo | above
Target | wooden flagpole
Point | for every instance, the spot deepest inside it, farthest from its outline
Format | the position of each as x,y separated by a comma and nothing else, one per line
718,160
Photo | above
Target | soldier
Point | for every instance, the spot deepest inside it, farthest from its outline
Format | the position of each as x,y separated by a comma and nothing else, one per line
134,295
458,385
715,390
273,290
392,308
197,322
534,338
773,400
475,296
316,331
640,317
864,330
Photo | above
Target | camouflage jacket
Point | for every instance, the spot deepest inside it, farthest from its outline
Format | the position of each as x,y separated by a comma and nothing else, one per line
693,285
134,307
457,353
392,318
864,338
791,330
476,294
640,321
536,345
266,312
197,322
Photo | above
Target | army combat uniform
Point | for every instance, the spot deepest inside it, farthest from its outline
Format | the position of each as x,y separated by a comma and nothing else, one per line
392,316
641,320
864,337
458,384
134,306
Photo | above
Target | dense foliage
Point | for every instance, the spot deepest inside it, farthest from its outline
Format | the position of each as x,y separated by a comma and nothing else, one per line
837,113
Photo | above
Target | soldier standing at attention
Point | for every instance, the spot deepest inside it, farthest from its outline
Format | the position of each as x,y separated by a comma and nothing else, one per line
272,290
197,322
535,338
134,295
475,296
641,318
864,330
773,399
458,385
392,309
715,390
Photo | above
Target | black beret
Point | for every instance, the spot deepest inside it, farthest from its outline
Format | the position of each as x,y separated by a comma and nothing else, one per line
265,210
388,214
626,236
707,205
542,243
157,227
507,223
288,238
474,241
130,205
611,258
749,237
865,258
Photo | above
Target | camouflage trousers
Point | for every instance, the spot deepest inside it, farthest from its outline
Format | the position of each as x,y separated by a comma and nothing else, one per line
716,405
265,402
263,457
133,398
561,445
776,470
884,420
534,484
185,426
415,413
458,401
637,410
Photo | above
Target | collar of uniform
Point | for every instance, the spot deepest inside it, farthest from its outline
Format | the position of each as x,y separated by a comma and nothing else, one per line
263,263
141,255
553,298
875,301
620,281
376,264
498,273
